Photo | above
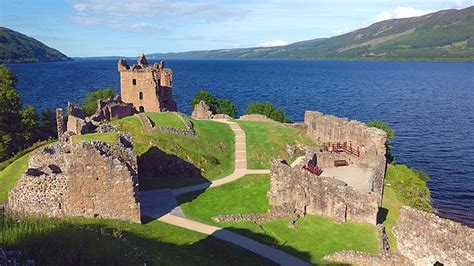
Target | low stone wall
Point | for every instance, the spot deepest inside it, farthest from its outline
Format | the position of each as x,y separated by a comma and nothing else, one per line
89,179
149,127
257,117
311,194
329,128
367,259
383,238
426,239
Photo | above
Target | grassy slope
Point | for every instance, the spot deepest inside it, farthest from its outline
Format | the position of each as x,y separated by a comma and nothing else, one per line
80,241
10,175
268,140
314,238
212,151
402,187
166,119
111,137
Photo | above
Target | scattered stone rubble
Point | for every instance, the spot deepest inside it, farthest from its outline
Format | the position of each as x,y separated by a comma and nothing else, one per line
88,179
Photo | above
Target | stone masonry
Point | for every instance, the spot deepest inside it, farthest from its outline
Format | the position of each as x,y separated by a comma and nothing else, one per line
88,179
426,239
329,128
304,192
147,87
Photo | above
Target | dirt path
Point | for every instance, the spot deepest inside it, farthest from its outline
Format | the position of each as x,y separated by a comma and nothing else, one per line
240,163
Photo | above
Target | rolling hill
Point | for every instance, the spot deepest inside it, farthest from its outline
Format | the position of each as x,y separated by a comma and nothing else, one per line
19,48
446,35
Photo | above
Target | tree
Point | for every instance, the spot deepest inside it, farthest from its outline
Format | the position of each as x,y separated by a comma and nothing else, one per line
29,126
90,103
216,105
47,126
10,119
226,107
267,109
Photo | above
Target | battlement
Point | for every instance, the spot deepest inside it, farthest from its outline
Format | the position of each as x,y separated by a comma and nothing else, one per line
147,86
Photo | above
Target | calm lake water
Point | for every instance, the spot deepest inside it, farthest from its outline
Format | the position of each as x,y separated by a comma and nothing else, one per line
429,105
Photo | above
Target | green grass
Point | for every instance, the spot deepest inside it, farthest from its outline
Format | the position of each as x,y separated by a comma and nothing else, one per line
269,140
10,175
314,237
211,152
80,241
110,137
169,119
403,186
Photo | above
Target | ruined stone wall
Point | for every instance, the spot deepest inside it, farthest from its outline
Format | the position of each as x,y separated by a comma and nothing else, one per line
308,193
149,127
426,238
257,117
153,82
329,128
86,179
113,108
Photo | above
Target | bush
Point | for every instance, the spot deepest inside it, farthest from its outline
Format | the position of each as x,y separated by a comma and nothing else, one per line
267,109
216,105
90,103
390,133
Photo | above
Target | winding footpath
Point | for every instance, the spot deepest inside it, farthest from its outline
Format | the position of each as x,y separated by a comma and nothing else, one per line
240,170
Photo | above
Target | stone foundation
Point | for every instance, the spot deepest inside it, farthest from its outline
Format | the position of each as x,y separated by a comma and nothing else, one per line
426,239
89,179
318,195
149,127
257,117
367,259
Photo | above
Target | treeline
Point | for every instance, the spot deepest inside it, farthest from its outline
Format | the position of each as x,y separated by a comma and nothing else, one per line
20,127
224,106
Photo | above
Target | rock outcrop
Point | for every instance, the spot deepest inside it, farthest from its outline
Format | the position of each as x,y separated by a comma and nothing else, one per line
201,111
426,239
89,179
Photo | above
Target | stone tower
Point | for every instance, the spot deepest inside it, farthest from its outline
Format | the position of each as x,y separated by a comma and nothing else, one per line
147,87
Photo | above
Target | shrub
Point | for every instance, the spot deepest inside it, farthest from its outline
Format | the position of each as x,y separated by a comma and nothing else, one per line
267,109
216,105
390,133
90,103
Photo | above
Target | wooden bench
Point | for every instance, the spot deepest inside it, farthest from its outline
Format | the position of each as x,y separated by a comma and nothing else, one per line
338,163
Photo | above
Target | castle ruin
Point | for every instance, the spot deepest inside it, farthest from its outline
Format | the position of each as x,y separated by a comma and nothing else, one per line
87,179
352,191
147,87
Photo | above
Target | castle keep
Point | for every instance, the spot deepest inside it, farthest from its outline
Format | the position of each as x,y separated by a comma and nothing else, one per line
147,87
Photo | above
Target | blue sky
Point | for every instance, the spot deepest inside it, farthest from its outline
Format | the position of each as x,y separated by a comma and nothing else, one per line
130,27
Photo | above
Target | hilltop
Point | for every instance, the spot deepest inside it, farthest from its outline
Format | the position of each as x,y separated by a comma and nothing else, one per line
16,47
443,35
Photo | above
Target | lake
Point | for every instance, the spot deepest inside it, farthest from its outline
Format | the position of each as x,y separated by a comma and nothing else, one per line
429,105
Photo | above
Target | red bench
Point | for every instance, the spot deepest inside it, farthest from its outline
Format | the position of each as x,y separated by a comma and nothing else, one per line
313,169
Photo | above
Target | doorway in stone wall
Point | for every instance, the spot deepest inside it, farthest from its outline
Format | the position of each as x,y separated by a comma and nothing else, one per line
141,109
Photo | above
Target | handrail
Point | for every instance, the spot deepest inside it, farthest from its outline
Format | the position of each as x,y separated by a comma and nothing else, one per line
340,147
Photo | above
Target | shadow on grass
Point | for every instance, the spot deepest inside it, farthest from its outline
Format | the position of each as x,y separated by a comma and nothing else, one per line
104,242
382,215
158,169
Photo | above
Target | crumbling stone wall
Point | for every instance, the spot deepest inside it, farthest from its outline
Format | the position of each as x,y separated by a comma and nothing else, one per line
76,120
257,117
426,238
201,111
147,87
89,179
329,128
149,127
296,188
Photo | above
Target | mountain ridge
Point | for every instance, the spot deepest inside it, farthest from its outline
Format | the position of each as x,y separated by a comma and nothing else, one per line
16,47
445,35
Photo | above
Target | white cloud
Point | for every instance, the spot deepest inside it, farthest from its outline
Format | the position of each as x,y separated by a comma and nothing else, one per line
401,12
340,32
273,43
150,14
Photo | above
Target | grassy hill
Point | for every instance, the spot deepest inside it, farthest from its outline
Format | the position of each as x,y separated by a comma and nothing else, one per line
19,48
447,35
